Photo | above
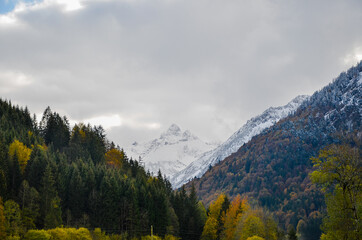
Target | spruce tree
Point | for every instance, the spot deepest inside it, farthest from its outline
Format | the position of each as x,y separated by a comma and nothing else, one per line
48,191
14,176
53,217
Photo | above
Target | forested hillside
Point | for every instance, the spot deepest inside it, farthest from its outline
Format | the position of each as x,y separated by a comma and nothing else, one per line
273,167
51,175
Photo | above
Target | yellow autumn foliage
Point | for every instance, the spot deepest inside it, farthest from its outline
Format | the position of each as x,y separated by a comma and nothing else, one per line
214,220
233,215
114,157
21,152
59,234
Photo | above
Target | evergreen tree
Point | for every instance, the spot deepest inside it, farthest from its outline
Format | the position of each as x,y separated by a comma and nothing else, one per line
3,169
48,192
3,181
14,176
36,167
55,129
196,220
53,217
29,198
76,193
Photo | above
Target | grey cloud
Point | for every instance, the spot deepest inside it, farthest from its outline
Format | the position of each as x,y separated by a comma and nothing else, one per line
205,65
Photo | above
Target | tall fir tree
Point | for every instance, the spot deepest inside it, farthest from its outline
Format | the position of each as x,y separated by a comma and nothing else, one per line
48,191
53,217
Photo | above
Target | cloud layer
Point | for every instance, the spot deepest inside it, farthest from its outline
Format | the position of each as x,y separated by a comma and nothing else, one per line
140,65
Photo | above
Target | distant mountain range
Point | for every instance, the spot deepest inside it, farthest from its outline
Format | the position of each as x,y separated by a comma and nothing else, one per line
273,166
171,152
181,156
253,127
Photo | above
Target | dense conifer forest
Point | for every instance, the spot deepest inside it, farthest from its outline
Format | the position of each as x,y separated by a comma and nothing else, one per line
52,176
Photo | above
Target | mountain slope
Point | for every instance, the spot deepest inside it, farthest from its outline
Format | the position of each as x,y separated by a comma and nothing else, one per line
171,152
253,127
273,167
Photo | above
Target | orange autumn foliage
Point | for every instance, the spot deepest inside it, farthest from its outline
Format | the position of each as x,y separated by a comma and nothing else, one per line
115,157
233,215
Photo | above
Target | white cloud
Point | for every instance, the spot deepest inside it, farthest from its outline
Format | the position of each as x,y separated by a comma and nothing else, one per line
10,81
70,5
115,120
353,57
7,20
106,121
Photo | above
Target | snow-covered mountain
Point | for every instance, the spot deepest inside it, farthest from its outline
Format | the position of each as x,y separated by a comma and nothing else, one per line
253,127
270,166
171,152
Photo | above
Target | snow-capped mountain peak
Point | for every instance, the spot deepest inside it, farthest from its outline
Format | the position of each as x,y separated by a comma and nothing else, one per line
253,127
173,130
171,152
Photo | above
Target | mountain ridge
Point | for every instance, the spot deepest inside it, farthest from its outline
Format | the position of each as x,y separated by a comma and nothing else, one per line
252,127
273,167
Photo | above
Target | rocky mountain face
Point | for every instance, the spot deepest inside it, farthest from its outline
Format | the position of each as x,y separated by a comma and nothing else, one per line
273,167
171,152
253,127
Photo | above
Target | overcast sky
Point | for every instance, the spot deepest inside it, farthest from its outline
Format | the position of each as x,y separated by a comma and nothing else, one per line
137,66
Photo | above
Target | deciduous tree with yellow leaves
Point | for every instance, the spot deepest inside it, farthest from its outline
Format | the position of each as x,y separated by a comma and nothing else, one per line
115,157
21,152
233,215
215,220
338,169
